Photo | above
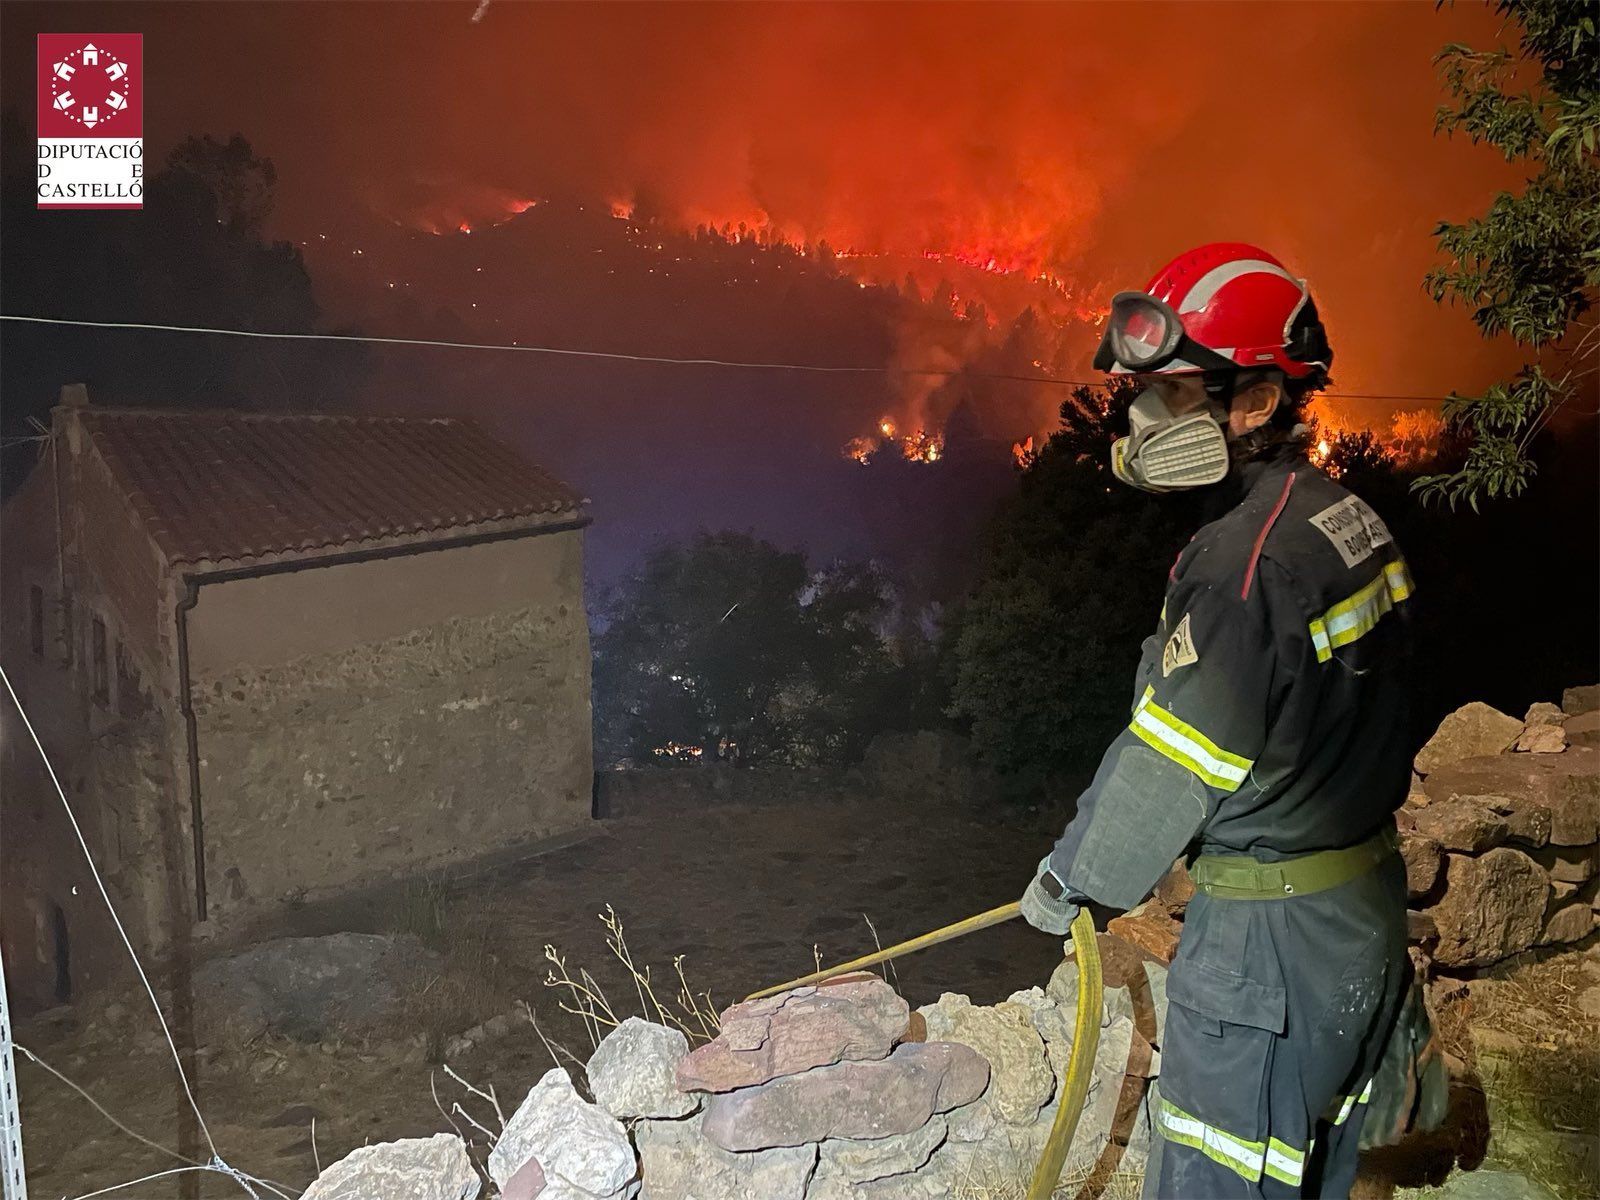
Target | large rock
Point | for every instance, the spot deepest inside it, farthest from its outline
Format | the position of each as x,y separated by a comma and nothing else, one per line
1156,989
856,1019
676,1162
1569,864
1175,889
307,987
1566,784
632,1073
1578,700
845,1165
584,1150
1583,730
1150,927
1542,739
1544,713
1570,922
1470,732
1528,824
1462,824
432,1168
1051,1022
1492,906
1020,1078
1424,858
851,1099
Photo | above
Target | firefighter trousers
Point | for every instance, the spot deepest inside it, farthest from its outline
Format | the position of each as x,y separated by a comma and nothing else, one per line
1277,1016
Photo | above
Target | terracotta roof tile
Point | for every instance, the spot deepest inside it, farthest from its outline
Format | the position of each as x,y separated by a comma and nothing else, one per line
219,486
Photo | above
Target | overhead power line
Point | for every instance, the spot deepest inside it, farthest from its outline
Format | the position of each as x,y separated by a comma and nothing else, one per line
617,356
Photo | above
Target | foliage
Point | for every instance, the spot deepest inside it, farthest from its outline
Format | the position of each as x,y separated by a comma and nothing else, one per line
729,639
198,254
1529,267
1043,654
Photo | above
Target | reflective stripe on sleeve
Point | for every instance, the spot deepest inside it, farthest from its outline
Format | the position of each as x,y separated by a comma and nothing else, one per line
1359,614
1246,1159
1187,746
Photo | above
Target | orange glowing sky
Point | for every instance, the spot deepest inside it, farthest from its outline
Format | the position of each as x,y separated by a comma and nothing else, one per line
1088,140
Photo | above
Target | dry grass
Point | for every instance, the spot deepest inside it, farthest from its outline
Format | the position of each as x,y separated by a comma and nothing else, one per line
1536,1055
694,1013
1123,1185
469,986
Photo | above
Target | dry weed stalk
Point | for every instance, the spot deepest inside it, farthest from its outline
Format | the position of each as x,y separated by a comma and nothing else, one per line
693,1013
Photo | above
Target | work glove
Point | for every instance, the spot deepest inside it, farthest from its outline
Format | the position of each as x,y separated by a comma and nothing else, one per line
1046,912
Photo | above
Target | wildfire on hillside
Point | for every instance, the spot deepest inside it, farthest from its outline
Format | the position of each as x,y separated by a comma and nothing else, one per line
468,209
919,447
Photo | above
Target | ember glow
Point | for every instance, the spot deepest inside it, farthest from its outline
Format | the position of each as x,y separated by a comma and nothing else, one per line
919,447
938,143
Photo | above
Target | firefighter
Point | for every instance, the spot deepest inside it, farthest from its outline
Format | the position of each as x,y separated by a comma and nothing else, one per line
1268,744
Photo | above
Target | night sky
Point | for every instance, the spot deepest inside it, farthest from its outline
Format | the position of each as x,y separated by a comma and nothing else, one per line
1083,142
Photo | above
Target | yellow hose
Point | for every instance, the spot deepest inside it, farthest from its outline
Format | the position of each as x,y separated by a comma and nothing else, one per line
1080,1066
995,916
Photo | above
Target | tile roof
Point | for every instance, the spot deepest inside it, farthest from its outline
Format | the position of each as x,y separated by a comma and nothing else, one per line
242,487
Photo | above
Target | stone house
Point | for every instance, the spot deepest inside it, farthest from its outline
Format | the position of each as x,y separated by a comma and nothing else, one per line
272,658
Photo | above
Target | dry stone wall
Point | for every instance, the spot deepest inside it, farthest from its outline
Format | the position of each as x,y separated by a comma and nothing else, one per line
1501,832
834,1092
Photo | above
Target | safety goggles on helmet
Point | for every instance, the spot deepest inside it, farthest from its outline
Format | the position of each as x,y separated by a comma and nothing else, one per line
1145,335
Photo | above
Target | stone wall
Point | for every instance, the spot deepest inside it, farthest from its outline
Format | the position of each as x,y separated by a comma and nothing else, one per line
834,1092
1501,832
434,747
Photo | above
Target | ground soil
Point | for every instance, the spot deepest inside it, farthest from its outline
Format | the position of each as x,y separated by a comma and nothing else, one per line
749,896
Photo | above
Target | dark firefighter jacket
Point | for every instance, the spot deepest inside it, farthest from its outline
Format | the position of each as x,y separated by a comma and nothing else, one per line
1269,712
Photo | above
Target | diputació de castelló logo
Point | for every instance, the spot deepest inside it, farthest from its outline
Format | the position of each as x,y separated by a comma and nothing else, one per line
91,120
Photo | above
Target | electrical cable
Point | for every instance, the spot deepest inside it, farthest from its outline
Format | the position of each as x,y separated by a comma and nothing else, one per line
617,356
217,1164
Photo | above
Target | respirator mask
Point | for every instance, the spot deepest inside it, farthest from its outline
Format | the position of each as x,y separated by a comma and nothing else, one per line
1164,452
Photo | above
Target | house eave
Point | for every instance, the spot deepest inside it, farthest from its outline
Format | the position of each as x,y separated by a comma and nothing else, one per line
360,550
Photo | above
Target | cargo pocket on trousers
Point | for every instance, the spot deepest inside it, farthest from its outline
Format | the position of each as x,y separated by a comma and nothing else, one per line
1222,1030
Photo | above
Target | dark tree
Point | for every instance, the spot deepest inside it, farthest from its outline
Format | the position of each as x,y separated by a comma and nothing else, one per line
727,639
196,255
1043,655
1529,266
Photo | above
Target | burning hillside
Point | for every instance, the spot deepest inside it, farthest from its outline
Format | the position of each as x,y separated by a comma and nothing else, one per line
918,447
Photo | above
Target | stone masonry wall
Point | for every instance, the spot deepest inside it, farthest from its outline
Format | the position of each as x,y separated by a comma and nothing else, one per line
1501,832
434,747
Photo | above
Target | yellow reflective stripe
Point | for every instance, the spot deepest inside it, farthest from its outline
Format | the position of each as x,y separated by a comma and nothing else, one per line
1187,746
1284,1163
1357,615
1247,1159
1348,1103
1399,577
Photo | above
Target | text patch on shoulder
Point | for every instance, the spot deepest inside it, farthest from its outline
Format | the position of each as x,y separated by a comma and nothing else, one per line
1179,650
1353,528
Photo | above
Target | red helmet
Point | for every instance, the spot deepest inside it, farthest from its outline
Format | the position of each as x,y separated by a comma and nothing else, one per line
1219,307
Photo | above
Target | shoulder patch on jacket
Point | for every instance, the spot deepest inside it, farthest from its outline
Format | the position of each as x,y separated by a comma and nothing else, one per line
1179,651
1353,528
